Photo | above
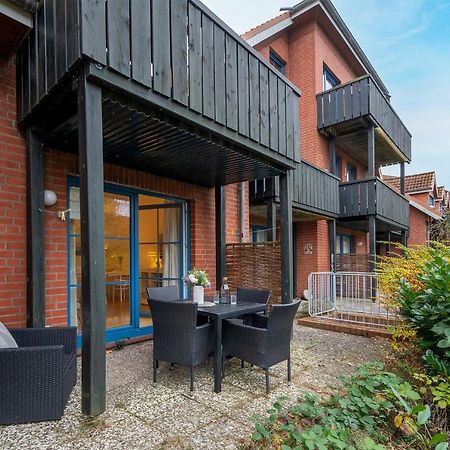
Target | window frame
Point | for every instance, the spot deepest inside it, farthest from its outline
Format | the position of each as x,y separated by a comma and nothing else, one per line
329,76
347,172
280,63
431,201
340,241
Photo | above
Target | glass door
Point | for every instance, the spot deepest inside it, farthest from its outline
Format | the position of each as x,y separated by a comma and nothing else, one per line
160,248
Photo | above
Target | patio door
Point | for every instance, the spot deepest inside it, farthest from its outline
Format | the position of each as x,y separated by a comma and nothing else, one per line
144,247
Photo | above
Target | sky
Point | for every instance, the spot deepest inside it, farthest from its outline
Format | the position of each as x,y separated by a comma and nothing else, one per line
408,43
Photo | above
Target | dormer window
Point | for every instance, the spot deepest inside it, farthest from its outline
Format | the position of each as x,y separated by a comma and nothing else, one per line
431,200
277,62
329,79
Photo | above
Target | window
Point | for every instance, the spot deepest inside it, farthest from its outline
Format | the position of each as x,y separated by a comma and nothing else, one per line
277,62
352,172
431,200
329,79
344,244
259,233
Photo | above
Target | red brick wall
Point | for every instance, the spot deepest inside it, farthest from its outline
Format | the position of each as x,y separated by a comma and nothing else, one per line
232,196
418,227
12,205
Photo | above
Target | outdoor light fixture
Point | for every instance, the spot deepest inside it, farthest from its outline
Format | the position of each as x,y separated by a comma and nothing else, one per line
50,198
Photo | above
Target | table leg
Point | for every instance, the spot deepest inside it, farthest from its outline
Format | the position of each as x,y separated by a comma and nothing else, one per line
218,357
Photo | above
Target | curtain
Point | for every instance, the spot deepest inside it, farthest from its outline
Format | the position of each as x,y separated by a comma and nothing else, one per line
171,252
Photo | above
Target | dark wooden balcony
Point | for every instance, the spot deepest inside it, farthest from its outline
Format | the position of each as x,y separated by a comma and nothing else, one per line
372,197
174,56
313,190
344,112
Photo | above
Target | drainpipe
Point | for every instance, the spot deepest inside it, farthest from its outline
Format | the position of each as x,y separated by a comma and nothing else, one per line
242,210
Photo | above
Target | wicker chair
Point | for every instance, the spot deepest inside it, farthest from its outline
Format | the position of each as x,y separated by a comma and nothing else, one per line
266,342
177,338
37,378
163,293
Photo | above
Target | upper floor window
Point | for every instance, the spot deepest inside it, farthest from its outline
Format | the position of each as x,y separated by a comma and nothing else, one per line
352,172
277,62
329,79
431,200
338,166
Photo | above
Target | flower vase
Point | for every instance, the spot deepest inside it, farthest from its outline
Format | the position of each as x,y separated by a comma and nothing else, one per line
198,293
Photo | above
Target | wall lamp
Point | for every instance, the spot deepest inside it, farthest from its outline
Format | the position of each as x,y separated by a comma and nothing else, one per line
50,199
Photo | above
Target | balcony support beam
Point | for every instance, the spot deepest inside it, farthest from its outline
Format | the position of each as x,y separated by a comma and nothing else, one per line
332,152
221,249
404,238
287,258
332,241
371,150
93,290
272,220
372,243
402,178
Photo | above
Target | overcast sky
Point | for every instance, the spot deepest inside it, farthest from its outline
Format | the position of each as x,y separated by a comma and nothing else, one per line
408,43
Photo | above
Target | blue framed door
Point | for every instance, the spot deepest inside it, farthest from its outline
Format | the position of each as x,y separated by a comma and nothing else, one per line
145,245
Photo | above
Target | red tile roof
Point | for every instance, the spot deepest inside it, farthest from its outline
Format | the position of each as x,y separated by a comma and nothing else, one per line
413,183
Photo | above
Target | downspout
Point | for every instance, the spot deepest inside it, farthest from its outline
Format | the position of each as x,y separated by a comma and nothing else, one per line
242,210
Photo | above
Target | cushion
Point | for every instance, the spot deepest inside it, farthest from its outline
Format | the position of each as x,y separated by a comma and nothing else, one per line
6,339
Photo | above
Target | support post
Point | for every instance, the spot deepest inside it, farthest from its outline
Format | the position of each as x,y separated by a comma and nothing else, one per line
272,220
404,237
371,150
332,152
402,178
221,248
90,134
287,259
332,241
35,231
372,243
389,237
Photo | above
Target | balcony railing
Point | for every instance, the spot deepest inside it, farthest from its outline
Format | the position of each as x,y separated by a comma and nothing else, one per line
313,190
358,99
361,198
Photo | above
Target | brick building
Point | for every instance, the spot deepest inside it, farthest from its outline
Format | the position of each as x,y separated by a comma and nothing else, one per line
349,130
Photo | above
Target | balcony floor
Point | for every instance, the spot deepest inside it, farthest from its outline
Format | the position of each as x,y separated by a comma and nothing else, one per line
140,415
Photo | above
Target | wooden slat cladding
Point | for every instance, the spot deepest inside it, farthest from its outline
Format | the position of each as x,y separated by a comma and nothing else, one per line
176,48
362,198
358,99
313,190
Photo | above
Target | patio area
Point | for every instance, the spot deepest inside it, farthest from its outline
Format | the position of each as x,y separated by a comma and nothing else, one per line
141,415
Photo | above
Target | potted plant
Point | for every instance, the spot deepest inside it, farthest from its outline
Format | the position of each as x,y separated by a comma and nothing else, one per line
198,280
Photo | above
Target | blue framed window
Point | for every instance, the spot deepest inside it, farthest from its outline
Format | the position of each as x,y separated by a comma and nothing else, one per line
344,244
277,62
338,163
329,79
259,233
146,244
352,172
431,200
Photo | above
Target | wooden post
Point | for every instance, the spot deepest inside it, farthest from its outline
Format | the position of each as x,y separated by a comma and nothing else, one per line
372,243
90,135
287,259
35,231
272,220
404,237
371,150
332,151
389,237
402,178
221,248
332,241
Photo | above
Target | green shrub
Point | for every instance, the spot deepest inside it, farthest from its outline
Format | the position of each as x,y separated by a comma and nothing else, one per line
374,409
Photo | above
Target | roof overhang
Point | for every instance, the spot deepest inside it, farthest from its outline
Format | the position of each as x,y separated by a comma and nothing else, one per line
20,11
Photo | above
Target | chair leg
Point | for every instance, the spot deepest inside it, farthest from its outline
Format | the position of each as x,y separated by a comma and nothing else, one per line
289,369
242,363
155,366
267,381
223,367
192,377
172,365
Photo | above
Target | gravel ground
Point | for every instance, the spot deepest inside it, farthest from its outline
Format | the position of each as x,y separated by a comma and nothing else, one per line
167,415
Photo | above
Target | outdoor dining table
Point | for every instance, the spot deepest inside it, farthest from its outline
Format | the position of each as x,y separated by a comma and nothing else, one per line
217,313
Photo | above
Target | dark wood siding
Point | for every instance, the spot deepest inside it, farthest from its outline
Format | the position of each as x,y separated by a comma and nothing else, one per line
175,48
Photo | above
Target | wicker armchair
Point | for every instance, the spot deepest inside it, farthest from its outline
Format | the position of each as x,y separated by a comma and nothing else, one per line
37,378
264,343
177,338
163,293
